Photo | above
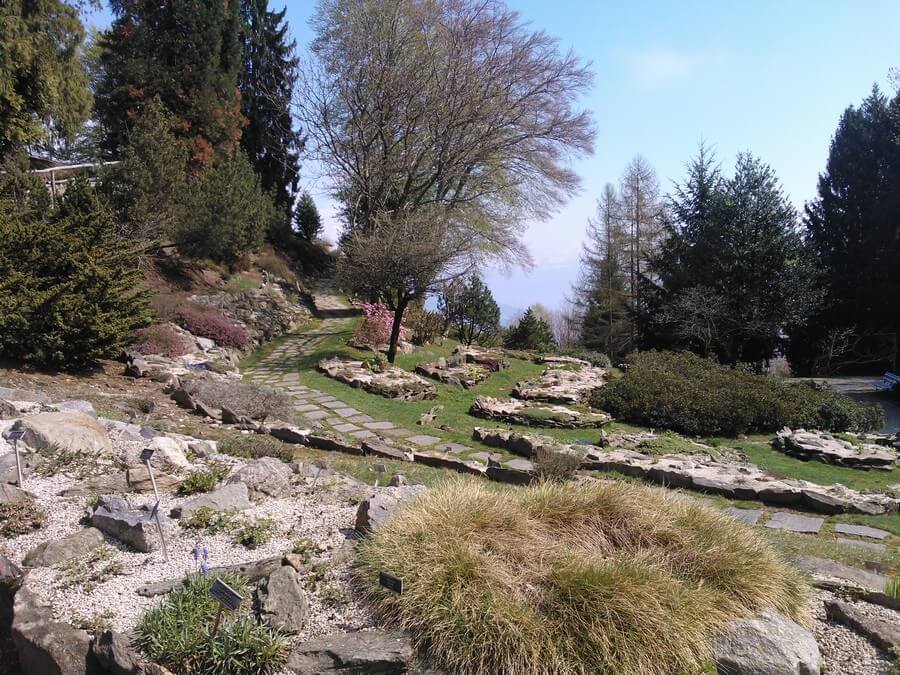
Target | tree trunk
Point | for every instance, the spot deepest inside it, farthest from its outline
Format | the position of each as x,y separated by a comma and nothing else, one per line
395,330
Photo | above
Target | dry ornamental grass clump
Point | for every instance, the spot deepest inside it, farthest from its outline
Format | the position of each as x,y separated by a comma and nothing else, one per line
565,578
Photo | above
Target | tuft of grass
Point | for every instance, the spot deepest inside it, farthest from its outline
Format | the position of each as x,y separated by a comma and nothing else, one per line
306,548
209,520
255,446
248,532
95,568
892,587
201,480
551,464
177,633
254,533
571,578
20,518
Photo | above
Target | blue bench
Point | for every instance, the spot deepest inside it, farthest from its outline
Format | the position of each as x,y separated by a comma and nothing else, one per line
888,382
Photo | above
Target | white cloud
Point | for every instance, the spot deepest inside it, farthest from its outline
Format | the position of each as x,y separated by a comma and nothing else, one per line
654,67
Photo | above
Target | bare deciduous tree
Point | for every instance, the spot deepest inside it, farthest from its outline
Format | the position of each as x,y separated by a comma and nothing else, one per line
453,106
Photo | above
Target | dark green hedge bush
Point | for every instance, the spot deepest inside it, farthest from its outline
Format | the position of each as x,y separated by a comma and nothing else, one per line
696,396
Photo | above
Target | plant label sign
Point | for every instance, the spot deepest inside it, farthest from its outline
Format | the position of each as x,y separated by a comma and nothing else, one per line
380,468
225,595
14,435
390,582
146,454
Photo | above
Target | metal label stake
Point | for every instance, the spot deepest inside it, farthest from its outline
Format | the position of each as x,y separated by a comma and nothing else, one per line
379,469
227,597
14,436
146,454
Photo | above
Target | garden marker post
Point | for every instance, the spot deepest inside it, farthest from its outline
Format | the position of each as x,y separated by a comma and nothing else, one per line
227,597
14,436
319,464
146,454
379,469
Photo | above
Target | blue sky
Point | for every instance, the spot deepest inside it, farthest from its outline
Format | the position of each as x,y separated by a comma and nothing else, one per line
767,76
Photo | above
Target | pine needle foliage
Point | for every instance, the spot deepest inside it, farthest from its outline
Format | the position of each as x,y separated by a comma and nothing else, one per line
68,286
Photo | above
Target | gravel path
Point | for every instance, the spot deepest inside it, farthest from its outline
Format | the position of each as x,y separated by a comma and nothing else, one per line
845,652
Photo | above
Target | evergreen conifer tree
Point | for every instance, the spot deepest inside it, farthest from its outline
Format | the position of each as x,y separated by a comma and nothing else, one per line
307,222
531,332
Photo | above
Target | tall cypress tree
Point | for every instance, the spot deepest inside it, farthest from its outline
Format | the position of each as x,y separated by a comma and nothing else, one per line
854,232
267,87
186,52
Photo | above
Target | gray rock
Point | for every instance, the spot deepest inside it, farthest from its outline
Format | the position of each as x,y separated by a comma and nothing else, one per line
11,578
381,652
880,633
253,571
266,475
289,433
860,531
137,479
748,516
767,644
10,494
167,452
375,511
73,431
113,483
794,523
9,394
75,406
823,568
7,410
822,446
520,464
134,527
71,546
231,497
48,647
202,448
114,652
282,602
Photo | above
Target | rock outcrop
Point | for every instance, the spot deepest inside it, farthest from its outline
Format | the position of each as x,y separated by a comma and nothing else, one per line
282,602
132,526
567,385
767,644
822,446
376,651
375,511
71,546
73,431
535,414
265,476
391,382
231,497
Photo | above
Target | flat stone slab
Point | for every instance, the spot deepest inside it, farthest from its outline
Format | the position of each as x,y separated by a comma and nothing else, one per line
309,407
364,433
423,439
316,415
794,523
360,419
454,448
345,427
860,531
520,464
334,403
347,412
379,426
749,516
871,545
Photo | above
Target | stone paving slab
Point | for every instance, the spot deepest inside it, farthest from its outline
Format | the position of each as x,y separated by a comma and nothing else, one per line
347,412
379,425
423,440
306,407
454,448
316,415
871,545
360,419
749,516
346,427
364,433
520,464
794,523
860,531
334,403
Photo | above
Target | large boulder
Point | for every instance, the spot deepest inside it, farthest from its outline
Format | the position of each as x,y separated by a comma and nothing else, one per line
282,602
531,413
375,511
373,651
266,475
822,446
73,431
115,653
167,453
76,405
75,545
11,577
766,644
569,384
390,381
231,497
48,647
134,527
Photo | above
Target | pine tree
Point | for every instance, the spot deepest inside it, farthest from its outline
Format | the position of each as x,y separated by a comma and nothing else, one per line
602,293
469,306
307,222
267,89
854,233
531,332
67,291
188,53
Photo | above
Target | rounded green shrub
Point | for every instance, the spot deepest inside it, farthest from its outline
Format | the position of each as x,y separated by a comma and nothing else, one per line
692,395
571,578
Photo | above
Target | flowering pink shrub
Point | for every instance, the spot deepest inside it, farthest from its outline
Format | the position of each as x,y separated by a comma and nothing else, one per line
161,339
375,329
211,323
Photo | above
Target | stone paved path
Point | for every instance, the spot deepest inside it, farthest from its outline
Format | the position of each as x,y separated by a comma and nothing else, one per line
324,411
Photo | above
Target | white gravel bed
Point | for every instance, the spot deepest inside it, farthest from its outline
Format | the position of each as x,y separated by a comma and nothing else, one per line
318,514
844,651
